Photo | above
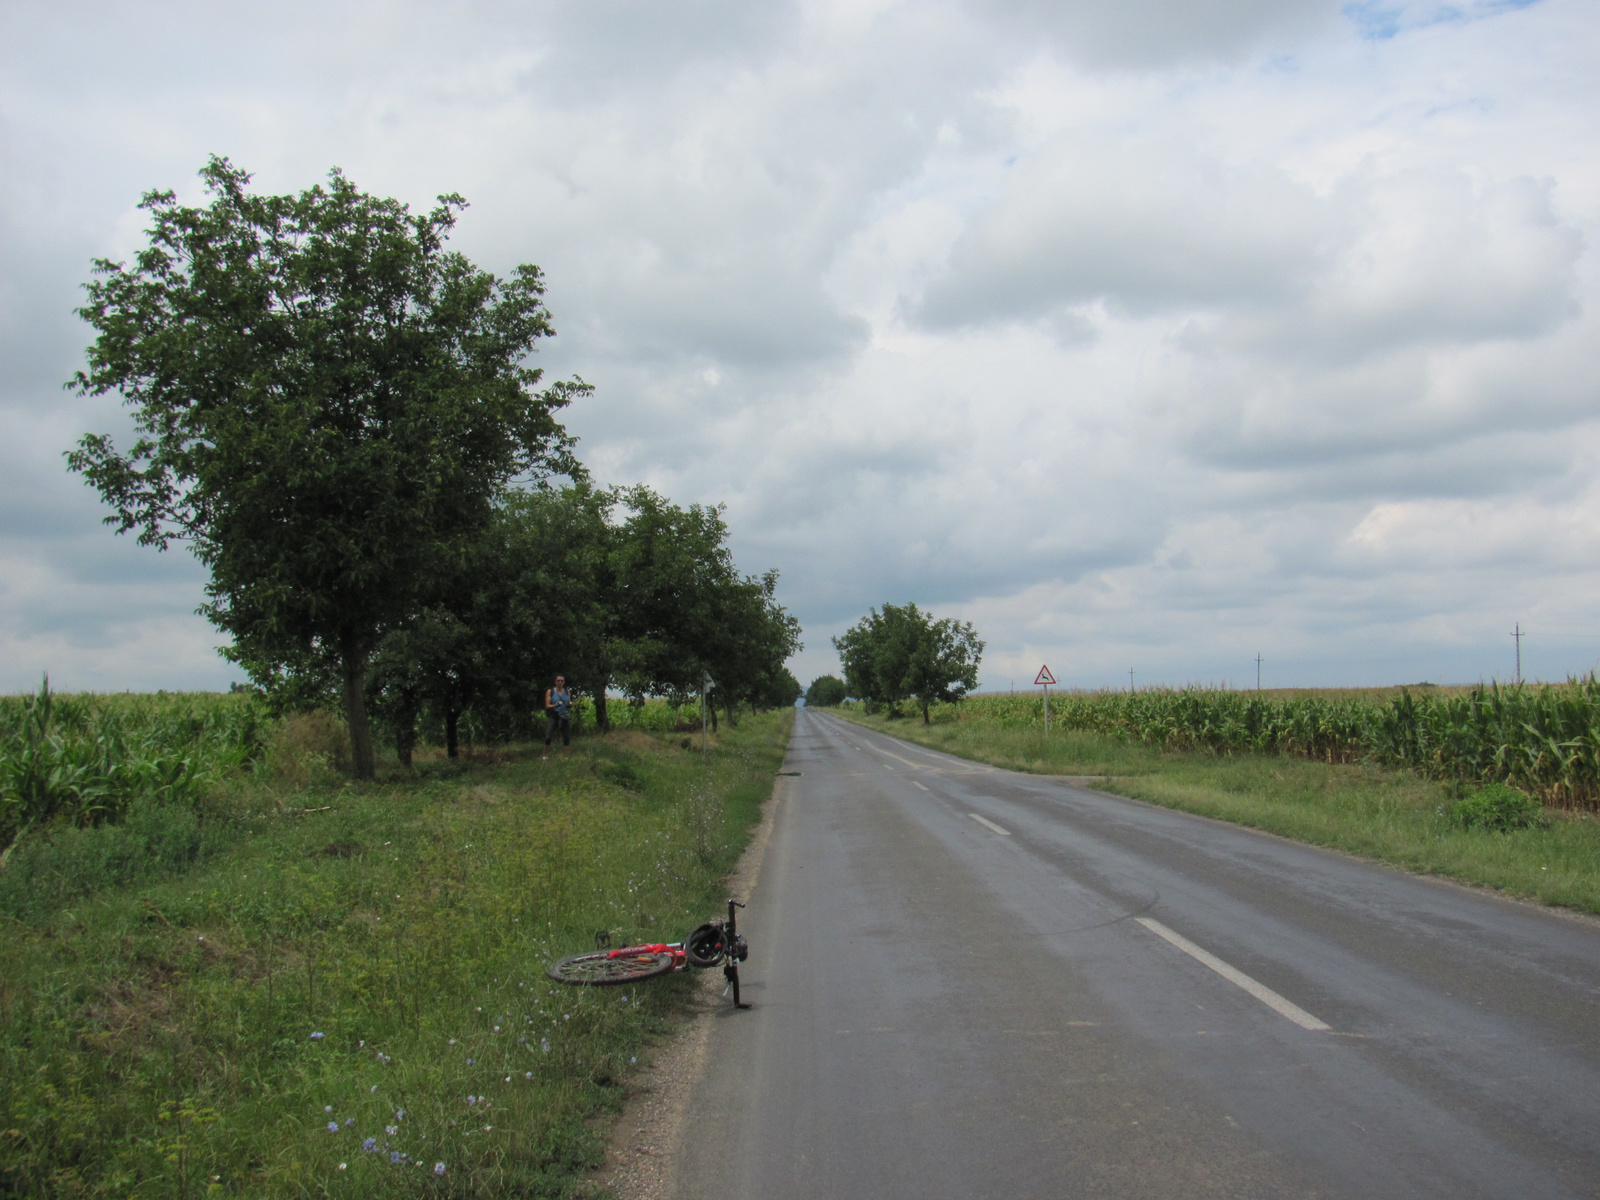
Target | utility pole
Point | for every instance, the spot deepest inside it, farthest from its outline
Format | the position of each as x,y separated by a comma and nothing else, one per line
1130,681
705,682
1258,670
1517,633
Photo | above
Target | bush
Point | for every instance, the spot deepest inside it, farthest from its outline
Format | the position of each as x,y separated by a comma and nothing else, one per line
1498,808
306,749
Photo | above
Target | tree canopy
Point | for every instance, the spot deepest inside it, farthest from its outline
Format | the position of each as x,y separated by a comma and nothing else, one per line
903,653
826,691
337,414
328,403
618,589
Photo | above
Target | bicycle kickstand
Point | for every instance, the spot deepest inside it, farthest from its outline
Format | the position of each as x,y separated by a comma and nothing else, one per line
730,972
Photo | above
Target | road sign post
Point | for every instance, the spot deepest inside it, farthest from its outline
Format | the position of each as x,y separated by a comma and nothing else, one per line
1045,679
705,685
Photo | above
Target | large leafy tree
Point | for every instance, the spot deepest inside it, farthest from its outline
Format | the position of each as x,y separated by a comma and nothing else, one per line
669,566
682,613
329,405
903,653
752,636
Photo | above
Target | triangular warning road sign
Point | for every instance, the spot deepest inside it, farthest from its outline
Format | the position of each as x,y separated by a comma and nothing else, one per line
1044,676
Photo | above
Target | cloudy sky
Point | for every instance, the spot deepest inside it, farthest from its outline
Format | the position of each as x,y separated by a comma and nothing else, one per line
1147,335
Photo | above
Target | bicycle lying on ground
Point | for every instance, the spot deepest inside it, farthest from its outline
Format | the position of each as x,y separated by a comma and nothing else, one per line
714,943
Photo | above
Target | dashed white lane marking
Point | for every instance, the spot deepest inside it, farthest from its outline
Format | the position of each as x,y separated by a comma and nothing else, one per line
923,786
1237,977
990,825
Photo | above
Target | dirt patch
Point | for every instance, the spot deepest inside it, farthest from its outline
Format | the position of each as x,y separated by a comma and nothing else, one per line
646,1139
341,849
633,739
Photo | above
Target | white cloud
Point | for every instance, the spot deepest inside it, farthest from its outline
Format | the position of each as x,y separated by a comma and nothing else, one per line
1149,226
1149,335
1155,33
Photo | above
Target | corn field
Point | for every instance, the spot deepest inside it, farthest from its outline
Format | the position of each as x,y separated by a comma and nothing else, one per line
655,715
1544,739
84,759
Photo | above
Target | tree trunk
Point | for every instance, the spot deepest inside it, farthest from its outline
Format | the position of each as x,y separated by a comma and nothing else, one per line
602,717
712,709
925,720
362,759
452,730
405,733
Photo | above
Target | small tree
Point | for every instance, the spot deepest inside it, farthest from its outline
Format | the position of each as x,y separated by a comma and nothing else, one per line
901,653
328,403
826,691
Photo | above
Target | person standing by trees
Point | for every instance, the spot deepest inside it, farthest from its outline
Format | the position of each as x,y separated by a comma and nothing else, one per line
558,715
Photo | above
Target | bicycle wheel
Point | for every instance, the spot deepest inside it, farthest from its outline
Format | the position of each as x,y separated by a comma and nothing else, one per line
706,946
598,968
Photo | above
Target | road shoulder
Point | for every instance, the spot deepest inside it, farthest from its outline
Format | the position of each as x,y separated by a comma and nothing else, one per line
647,1136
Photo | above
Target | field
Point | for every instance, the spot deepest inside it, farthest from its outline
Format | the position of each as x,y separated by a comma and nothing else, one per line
282,983
1299,765
1543,740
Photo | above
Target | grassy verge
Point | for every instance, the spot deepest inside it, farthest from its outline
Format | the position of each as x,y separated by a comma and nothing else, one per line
349,990
1392,816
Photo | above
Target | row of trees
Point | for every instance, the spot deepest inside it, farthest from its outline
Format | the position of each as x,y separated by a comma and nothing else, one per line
903,654
336,413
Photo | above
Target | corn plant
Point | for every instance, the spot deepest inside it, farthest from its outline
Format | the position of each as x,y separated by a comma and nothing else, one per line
85,759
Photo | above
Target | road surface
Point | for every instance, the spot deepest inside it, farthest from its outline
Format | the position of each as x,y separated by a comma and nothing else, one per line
972,983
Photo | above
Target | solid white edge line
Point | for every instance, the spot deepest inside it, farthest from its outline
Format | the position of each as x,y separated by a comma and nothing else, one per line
1233,975
923,786
988,824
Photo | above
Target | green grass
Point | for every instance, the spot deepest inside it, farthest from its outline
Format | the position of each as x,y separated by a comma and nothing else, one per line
1393,816
160,1039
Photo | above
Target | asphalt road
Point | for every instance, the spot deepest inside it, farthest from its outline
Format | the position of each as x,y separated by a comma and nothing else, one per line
972,983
